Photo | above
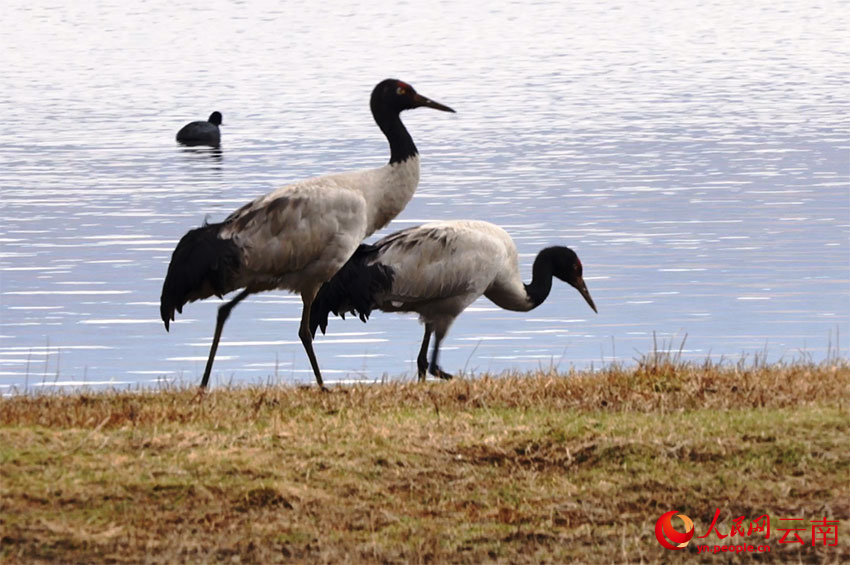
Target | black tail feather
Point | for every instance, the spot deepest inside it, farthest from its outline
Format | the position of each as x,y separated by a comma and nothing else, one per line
202,265
352,289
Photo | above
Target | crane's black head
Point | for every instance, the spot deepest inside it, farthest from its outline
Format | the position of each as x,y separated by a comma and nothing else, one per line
567,267
394,96
215,118
389,98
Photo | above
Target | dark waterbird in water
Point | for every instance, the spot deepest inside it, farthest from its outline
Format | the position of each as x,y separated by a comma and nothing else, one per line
201,133
437,270
296,237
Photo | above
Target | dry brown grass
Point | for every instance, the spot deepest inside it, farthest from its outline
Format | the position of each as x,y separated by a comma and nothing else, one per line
520,468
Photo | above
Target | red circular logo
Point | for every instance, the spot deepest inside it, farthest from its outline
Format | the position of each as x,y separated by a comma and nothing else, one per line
664,531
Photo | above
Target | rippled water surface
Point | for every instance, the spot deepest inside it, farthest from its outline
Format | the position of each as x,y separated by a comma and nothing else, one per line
695,156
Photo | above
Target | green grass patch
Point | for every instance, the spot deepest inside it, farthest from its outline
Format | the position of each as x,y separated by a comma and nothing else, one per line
533,468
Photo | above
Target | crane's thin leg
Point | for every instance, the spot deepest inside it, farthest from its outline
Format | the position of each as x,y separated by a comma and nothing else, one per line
435,369
307,337
422,360
223,313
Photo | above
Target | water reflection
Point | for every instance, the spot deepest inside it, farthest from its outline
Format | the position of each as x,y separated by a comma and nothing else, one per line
707,195
214,153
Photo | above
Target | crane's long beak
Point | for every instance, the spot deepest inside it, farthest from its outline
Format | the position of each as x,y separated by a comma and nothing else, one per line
582,289
420,100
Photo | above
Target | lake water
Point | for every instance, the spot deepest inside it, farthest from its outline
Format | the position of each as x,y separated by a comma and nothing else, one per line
696,155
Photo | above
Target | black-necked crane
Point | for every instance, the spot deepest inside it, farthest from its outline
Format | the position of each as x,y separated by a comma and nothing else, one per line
296,237
438,269
201,133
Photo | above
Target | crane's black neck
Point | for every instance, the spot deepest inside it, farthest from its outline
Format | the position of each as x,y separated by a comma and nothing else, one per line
401,144
541,278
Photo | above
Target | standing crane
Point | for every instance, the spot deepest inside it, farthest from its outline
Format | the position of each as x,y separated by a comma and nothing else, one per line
437,270
298,236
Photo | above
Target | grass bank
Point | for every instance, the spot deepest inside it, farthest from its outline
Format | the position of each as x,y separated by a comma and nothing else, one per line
525,468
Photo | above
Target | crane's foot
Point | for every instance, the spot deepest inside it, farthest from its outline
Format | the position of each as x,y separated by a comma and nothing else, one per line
422,368
322,388
199,395
439,373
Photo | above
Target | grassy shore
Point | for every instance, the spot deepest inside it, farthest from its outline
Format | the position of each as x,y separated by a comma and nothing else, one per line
524,468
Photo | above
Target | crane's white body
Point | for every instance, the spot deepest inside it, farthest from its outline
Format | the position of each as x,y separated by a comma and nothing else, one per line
440,268
298,236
